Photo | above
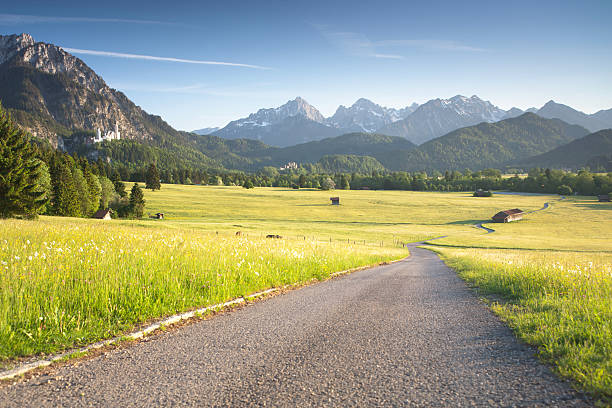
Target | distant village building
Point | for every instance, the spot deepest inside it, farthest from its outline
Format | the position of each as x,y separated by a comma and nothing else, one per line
604,198
103,214
335,200
508,215
289,166
110,135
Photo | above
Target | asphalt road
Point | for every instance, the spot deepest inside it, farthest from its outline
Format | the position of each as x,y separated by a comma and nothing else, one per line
406,334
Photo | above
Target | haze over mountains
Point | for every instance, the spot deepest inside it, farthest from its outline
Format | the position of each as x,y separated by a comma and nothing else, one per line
57,97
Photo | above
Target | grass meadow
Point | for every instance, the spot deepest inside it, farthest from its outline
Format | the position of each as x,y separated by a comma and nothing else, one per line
67,282
560,302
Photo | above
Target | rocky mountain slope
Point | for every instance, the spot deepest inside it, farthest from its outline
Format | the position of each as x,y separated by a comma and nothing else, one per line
366,116
594,122
52,93
292,123
440,116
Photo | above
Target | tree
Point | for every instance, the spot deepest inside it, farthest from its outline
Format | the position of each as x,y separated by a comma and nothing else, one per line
65,195
248,184
564,190
137,201
82,191
94,189
44,184
152,179
328,184
344,183
107,192
119,186
20,193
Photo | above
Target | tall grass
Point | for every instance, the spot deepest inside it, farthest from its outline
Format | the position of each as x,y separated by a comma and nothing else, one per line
560,302
70,282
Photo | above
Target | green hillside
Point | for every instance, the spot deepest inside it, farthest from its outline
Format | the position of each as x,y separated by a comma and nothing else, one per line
575,154
487,145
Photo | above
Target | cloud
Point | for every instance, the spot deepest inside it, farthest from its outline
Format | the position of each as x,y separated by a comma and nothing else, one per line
429,44
357,44
12,19
154,58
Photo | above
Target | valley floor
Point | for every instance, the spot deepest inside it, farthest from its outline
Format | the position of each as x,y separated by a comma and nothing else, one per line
70,281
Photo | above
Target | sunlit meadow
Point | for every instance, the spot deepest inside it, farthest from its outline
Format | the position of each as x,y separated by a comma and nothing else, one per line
69,282
558,301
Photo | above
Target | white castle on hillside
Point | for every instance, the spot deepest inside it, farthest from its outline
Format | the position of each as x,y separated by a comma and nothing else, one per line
110,135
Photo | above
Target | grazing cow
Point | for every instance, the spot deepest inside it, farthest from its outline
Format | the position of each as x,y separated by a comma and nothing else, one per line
273,236
238,233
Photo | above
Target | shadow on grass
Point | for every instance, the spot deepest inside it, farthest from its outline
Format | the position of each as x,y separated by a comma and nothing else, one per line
596,206
468,222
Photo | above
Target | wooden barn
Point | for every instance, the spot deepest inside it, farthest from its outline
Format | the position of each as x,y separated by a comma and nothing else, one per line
103,214
335,200
508,215
604,198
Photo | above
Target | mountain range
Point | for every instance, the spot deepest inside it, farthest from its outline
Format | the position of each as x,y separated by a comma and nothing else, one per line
57,97
299,122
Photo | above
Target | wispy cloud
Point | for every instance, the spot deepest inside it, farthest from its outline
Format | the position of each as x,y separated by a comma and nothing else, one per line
154,58
429,44
357,44
13,19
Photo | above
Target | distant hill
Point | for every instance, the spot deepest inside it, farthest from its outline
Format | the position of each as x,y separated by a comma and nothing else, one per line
349,164
354,144
594,122
575,154
205,131
487,145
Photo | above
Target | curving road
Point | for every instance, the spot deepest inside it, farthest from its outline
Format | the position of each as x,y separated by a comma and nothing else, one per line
406,334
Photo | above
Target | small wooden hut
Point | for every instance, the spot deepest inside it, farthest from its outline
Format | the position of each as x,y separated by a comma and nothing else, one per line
508,215
335,200
103,214
604,198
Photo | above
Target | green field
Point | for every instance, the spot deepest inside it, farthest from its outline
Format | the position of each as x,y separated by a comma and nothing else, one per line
67,282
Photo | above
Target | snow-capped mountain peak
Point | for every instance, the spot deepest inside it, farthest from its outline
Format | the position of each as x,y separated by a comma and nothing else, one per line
295,107
366,116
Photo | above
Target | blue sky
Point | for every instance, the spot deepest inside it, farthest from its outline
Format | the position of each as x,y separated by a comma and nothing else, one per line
331,52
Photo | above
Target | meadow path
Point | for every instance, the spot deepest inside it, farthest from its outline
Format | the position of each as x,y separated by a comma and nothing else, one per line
405,334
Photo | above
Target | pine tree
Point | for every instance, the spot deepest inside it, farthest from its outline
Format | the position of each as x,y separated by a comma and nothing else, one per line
152,179
65,194
20,192
137,201
344,183
119,186
94,190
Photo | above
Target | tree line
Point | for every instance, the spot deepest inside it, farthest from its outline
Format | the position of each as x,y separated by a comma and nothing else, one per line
36,179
